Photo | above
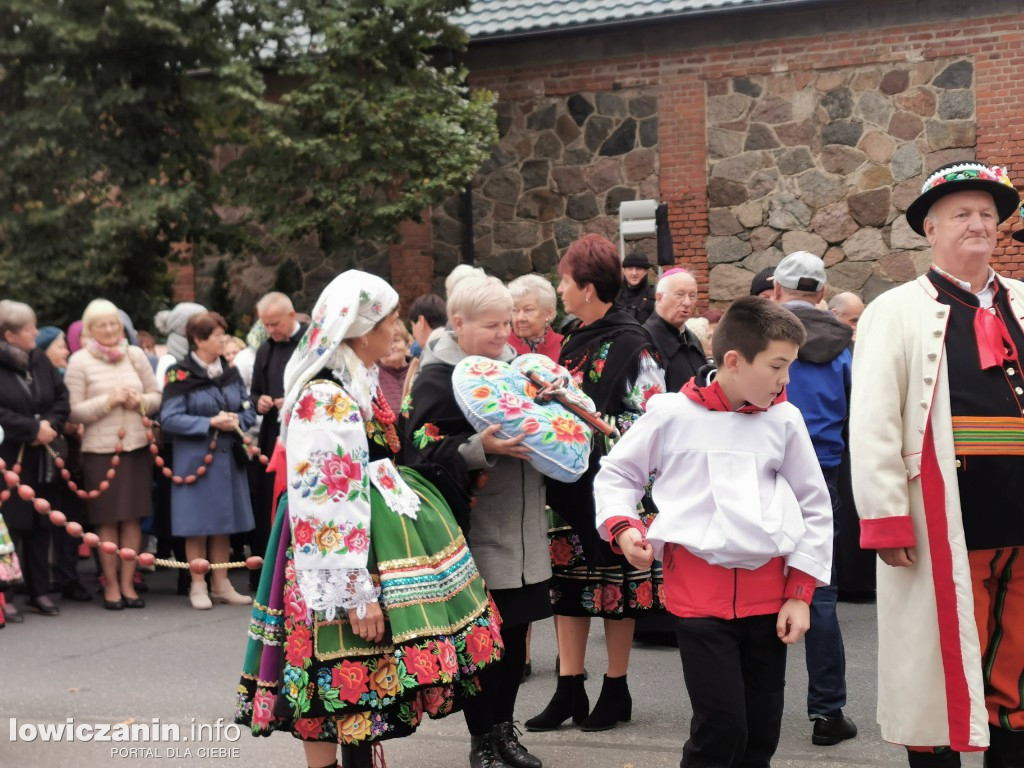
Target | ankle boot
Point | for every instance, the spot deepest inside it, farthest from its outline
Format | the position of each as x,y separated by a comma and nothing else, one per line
483,753
356,756
614,705
570,700
947,758
506,740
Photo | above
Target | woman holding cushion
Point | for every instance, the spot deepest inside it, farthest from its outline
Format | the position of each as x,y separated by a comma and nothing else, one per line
508,523
611,358
370,610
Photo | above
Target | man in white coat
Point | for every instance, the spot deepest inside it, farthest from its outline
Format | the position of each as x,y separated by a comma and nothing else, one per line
937,442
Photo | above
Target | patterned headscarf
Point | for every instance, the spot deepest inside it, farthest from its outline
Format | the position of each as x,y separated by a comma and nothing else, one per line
350,306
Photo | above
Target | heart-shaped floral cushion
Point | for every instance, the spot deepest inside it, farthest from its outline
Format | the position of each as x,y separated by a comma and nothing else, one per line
492,392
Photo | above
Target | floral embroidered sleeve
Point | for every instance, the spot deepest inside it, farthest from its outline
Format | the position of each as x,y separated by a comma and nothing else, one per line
650,381
329,500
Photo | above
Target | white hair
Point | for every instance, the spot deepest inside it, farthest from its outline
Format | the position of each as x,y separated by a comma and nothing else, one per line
472,297
274,299
663,284
14,315
535,285
461,272
96,309
701,328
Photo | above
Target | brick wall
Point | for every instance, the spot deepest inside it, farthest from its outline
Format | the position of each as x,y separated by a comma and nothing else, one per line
676,59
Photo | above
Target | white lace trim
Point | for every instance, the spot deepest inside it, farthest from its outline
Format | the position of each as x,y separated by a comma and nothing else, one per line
329,591
400,498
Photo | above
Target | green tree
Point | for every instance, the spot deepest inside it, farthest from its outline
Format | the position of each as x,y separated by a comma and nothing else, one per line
376,125
110,112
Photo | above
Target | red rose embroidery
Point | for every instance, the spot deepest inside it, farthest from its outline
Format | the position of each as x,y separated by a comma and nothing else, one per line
422,664
309,727
386,481
644,594
447,658
339,472
480,645
307,407
530,426
611,596
303,533
561,552
298,647
357,541
351,681
433,699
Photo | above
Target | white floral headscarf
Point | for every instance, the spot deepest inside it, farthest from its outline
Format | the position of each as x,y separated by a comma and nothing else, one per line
350,306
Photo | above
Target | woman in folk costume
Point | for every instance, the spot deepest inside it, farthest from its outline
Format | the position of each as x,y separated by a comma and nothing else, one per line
371,612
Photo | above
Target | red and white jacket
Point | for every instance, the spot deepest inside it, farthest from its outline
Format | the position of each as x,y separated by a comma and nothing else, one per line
744,517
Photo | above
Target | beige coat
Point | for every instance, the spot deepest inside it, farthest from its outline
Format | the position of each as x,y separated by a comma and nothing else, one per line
900,419
89,381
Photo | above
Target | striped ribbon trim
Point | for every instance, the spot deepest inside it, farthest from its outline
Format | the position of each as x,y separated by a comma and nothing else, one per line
988,435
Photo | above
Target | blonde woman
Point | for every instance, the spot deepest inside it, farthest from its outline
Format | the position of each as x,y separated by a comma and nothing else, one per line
111,384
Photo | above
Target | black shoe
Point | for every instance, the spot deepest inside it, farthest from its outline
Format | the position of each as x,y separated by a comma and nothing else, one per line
506,739
114,605
570,700
43,605
614,706
76,592
527,671
831,730
134,602
483,754
12,615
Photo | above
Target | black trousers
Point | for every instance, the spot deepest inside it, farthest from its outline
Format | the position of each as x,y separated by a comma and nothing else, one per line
735,673
33,547
499,685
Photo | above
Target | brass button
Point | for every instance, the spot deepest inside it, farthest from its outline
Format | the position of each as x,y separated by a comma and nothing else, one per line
928,379
932,355
937,333
1010,371
958,463
924,403
941,313
1019,391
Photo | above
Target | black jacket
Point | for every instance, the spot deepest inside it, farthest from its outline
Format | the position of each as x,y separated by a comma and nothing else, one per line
637,302
268,379
29,395
682,354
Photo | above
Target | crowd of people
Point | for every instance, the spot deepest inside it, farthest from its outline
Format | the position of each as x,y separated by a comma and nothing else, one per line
753,456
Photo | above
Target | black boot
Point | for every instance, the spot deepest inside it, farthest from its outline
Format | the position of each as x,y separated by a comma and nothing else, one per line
614,706
506,739
356,756
1006,748
570,700
484,754
947,758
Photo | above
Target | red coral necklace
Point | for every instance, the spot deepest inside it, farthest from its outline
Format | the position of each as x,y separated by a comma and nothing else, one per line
385,418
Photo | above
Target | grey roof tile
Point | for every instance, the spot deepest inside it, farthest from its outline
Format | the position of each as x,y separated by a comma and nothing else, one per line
496,18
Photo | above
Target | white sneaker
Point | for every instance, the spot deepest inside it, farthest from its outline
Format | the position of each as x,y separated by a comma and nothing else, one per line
230,596
199,597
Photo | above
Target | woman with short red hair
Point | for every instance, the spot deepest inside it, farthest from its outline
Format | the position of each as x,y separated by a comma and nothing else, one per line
612,359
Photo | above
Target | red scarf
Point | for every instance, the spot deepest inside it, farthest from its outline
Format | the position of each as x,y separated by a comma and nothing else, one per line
713,398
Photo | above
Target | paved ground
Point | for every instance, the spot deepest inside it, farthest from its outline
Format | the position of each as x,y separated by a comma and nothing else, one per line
181,666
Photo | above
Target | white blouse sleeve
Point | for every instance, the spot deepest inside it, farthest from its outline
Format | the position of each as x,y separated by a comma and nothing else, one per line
329,500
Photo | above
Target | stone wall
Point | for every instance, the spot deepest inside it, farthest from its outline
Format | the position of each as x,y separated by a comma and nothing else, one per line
253,274
560,170
827,161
